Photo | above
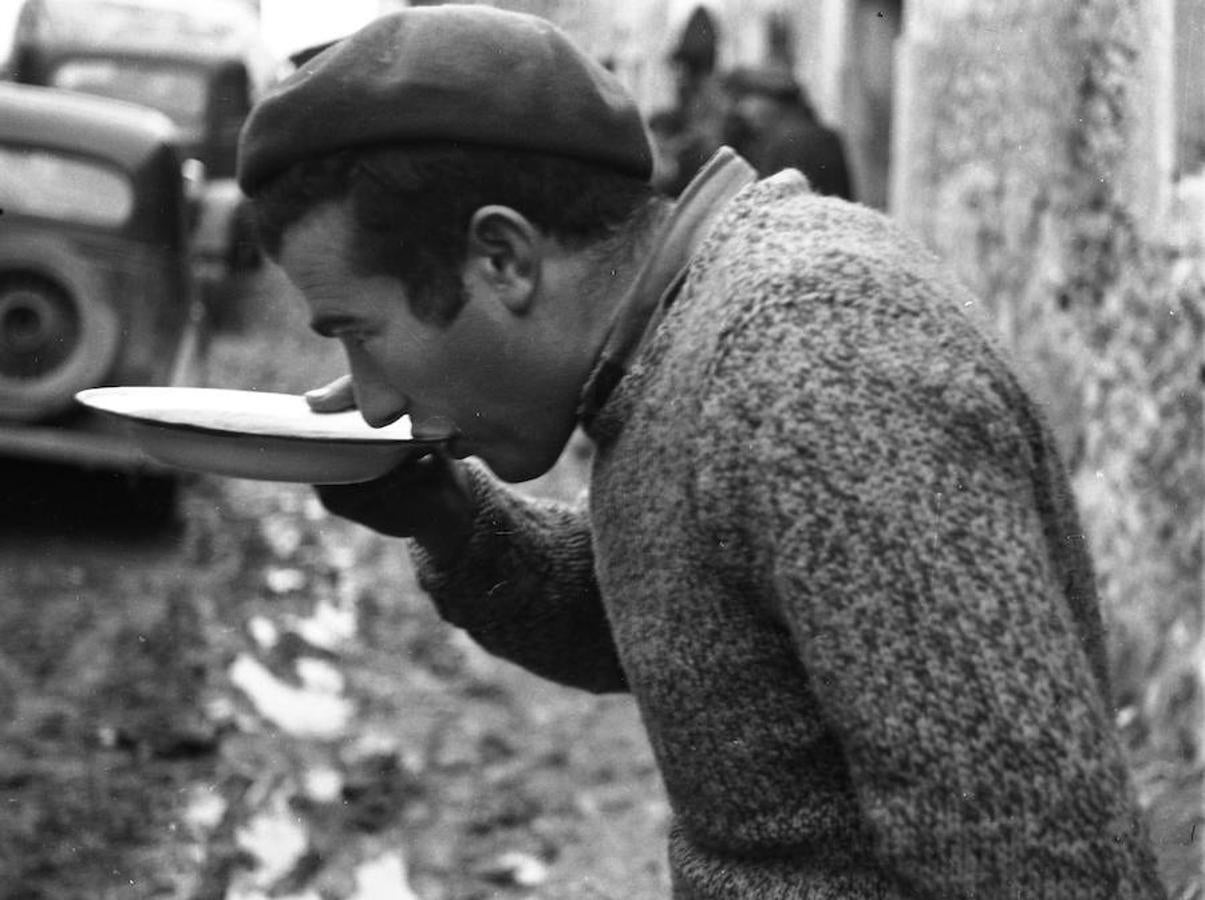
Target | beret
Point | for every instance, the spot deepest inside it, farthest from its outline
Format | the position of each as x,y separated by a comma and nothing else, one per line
456,72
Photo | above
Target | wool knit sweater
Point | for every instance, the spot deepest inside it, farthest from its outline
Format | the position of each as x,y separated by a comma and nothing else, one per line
831,551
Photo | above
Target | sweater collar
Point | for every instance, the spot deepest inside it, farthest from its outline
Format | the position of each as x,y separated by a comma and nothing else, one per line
660,276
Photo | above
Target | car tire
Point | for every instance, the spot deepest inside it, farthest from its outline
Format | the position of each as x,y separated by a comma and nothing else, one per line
58,335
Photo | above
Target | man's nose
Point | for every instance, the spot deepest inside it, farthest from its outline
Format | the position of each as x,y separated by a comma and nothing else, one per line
379,403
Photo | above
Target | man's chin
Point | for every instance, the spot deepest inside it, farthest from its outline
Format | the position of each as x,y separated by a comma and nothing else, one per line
517,469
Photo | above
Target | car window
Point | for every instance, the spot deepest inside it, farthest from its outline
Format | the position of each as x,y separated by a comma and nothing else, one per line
49,185
179,93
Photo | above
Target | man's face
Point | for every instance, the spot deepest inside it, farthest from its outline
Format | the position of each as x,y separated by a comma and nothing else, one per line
489,380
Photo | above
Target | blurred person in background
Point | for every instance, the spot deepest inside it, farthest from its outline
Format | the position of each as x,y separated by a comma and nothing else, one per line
771,122
829,546
686,134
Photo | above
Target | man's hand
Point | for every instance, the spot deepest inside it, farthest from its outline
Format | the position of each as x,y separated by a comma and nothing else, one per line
337,396
426,497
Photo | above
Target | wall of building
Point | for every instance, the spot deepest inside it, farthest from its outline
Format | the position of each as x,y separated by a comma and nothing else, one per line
1190,85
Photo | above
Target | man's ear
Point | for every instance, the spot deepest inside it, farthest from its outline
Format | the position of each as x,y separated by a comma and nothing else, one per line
504,252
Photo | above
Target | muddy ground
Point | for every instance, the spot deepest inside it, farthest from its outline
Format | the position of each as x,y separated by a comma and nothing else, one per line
262,704
259,702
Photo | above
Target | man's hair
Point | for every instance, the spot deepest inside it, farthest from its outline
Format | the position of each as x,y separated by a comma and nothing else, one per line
411,208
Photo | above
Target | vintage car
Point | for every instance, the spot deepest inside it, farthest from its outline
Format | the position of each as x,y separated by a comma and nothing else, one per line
95,279
202,65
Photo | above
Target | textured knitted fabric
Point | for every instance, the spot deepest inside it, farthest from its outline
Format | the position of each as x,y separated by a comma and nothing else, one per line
832,552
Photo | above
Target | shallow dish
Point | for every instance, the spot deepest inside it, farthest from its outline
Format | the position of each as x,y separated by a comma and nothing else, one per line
255,434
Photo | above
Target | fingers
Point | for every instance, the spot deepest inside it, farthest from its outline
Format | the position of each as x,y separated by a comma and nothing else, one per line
336,396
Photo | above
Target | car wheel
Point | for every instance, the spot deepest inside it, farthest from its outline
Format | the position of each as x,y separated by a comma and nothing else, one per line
57,337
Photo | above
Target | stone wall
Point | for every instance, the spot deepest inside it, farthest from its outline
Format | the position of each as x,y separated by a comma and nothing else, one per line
1190,85
1036,180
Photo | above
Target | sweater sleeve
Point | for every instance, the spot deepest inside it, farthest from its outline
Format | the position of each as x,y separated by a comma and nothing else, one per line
886,476
524,588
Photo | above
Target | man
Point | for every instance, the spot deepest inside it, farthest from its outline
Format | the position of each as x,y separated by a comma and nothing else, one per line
686,134
830,548
773,125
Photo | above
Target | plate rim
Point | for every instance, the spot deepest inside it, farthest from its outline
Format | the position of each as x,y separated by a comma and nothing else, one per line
234,433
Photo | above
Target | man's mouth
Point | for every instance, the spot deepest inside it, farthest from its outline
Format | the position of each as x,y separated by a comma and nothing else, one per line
451,443
435,430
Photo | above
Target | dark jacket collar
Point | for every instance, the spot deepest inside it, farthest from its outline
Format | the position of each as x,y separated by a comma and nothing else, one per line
641,309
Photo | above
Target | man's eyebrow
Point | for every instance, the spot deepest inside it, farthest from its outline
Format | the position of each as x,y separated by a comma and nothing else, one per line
330,325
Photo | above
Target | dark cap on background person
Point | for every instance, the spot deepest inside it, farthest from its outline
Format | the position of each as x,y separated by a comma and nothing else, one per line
697,48
458,73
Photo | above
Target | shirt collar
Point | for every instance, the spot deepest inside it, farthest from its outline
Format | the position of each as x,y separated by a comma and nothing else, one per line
641,308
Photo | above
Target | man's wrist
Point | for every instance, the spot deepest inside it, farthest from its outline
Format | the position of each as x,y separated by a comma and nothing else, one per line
447,536
446,543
